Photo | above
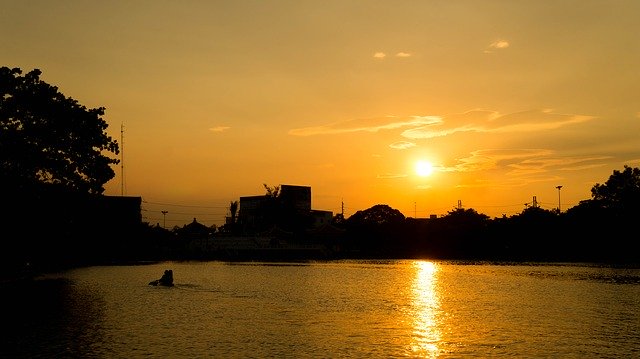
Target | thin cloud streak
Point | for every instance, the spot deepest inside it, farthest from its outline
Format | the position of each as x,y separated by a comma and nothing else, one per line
366,125
424,127
491,121
498,45
381,55
518,166
402,145
521,167
219,128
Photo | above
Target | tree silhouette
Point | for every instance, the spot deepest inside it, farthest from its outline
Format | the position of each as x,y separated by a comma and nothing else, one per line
606,223
621,192
54,162
375,231
233,208
272,192
47,138
377,215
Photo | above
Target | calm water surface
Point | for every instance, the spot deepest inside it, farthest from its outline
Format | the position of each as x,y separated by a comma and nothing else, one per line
352,309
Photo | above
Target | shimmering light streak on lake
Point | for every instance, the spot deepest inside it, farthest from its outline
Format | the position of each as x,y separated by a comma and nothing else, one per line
426,302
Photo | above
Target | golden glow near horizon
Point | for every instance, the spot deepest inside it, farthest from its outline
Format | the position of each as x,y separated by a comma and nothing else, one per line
507,100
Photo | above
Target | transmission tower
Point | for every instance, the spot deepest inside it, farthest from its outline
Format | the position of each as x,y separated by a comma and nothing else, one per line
122,159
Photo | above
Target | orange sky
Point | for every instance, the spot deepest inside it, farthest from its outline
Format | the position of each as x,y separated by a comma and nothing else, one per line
507,99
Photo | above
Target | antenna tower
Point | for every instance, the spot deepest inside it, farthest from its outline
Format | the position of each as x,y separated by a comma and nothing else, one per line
122,159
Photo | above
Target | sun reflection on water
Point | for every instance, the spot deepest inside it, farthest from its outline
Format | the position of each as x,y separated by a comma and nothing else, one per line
426,303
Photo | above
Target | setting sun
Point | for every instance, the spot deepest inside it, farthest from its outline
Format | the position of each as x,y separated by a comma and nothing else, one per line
424,168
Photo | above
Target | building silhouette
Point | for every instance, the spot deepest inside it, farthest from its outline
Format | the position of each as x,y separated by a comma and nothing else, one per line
289,211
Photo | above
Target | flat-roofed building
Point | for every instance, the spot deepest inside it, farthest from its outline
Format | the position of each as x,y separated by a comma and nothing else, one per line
296,198
250,214
321,218
290,210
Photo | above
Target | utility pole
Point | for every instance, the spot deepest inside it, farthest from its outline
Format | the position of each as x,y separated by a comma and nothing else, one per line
122,159
164,219
559,187
415,211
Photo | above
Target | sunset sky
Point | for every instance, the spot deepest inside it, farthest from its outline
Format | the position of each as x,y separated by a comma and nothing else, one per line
506,99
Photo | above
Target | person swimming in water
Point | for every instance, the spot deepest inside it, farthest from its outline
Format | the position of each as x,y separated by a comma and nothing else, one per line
166,280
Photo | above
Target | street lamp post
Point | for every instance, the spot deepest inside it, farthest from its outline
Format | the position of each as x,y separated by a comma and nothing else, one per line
164,219
559,187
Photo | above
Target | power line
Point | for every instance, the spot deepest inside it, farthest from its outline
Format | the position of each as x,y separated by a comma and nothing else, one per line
183,205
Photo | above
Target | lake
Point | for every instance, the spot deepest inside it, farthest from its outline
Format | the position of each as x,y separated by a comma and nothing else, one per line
336,309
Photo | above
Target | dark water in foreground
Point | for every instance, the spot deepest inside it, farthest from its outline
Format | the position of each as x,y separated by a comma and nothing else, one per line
327,310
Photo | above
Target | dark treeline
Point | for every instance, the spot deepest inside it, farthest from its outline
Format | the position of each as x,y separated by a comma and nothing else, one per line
53,229
55,158
601,229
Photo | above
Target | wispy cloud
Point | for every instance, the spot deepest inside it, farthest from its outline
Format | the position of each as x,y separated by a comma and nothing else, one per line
521,166
490,158
526,164
381,55
520,169
402,145
219,128
425,127
490,121
497,45
366,125
500,44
